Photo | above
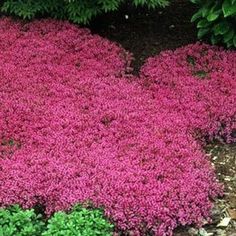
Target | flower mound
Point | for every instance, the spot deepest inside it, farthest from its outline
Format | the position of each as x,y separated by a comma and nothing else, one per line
197,82
75,129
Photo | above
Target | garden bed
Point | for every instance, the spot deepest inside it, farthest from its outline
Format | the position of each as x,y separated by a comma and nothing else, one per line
146,33
86,131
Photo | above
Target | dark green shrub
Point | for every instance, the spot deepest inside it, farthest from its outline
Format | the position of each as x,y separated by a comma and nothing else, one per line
17,222
78,11
217,19
79,222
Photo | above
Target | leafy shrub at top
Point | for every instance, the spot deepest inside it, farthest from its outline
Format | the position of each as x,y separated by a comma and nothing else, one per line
218,20
17,222
79,222
78,11
88,131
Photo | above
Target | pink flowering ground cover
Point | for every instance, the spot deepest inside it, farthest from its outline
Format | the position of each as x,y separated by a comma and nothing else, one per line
198,81
76,127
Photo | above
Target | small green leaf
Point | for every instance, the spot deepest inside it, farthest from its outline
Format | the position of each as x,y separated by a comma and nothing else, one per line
191,60
200,73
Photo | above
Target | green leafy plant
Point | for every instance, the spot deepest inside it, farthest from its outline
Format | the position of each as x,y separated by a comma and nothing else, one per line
78,11
217,19
15,221
79,222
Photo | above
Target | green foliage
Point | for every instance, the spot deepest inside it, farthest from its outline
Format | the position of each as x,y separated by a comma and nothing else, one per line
79,222
17,222
78,11
217,18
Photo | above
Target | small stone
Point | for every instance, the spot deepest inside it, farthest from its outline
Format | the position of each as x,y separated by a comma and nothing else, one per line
224,222
112,27
193,231
232,213
216,215
227,178
220,232
202,232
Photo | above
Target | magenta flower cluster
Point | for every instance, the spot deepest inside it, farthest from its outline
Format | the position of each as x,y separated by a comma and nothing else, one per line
75,126
199,83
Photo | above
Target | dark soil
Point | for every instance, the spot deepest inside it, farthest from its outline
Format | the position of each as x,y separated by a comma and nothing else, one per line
146,33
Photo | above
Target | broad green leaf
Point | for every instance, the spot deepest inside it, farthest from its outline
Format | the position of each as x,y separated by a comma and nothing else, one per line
202,32
195,1
213,15
229,35
234,41
203,23
228,8
215,11
215,39
196,16
229,44
206,8
221,28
